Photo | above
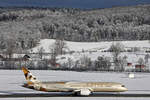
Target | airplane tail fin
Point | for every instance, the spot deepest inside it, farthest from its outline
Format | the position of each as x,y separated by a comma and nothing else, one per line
29,77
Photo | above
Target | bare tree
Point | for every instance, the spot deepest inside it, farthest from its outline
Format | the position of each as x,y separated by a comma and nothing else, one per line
41,52
85,62
10,47
116,50
141,63
59,47
70,63
2,42
52,55
102,63
122,62
147,56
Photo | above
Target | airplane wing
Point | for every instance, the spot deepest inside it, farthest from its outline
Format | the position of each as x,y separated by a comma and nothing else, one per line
79,90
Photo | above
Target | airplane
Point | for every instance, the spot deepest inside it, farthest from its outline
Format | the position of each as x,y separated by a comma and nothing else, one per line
76,88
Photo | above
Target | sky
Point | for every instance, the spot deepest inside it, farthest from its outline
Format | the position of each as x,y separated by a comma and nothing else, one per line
85,4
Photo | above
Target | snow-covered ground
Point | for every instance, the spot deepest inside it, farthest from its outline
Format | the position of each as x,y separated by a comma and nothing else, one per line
90,46
11,81
94,49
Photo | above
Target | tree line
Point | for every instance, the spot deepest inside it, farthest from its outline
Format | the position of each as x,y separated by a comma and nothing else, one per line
50,61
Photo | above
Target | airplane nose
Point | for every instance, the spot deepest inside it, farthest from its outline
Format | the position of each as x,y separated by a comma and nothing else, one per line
124,89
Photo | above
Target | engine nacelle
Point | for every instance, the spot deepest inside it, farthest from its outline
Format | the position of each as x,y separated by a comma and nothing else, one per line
84,92
37,86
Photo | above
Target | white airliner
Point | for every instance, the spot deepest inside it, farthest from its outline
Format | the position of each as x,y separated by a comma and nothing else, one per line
77,88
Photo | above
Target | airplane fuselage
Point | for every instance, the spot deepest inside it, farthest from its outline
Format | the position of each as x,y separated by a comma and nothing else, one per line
71,86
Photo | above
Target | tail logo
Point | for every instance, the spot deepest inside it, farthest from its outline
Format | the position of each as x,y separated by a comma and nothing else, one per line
29,77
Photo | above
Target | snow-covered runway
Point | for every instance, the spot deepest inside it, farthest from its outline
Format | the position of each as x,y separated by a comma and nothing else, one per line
11,81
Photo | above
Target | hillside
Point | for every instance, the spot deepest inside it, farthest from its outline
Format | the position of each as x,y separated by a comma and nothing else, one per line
46,44
24,27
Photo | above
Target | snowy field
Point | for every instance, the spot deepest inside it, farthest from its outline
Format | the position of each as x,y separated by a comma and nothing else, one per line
46,44
11,81
93,50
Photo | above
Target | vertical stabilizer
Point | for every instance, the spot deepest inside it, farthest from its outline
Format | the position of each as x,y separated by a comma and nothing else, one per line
29,77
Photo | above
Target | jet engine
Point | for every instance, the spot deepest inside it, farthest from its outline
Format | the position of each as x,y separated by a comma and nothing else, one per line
37,86
84,92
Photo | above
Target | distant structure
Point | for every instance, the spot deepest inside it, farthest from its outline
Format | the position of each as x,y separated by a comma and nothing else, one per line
131,75
140,67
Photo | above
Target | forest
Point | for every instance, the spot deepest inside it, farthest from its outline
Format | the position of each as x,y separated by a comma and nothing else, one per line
22,28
